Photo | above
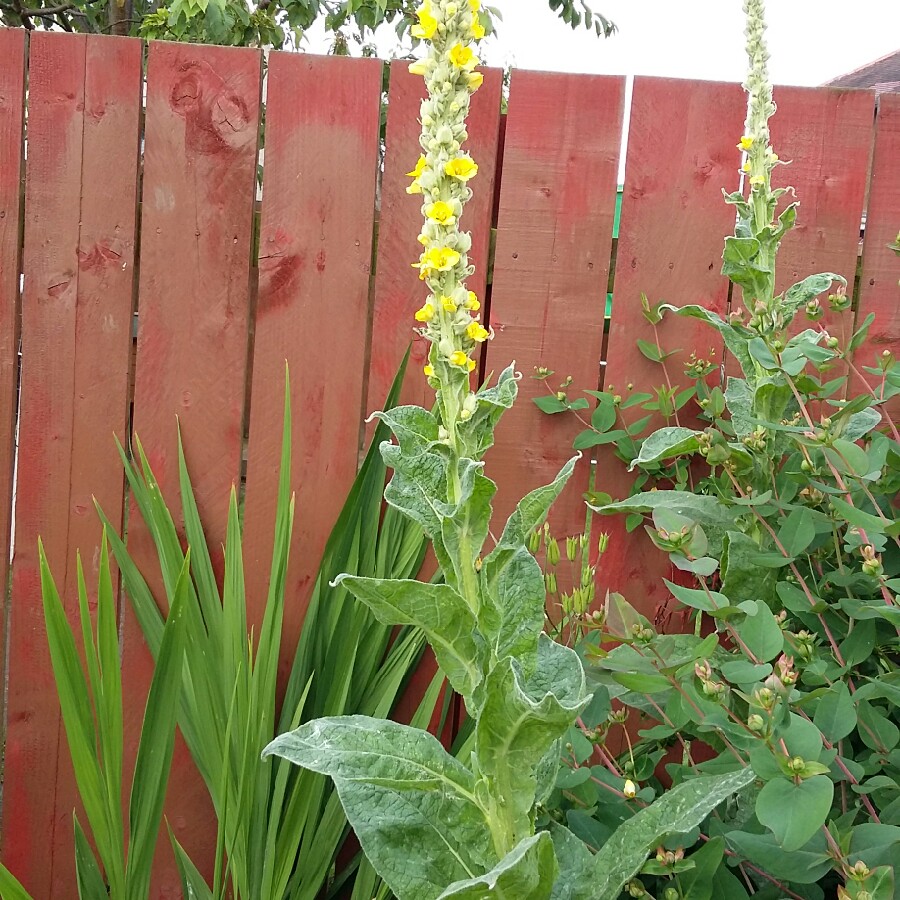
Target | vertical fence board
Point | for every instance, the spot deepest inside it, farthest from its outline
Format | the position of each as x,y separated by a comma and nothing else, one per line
879,290
323,117
827,135
200,155
681,153
551,267
398,291
84,115
12,122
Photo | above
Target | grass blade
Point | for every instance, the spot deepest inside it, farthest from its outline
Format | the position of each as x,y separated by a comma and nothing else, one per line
154,756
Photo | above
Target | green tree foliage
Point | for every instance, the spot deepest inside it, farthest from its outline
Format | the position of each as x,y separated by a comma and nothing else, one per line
257,23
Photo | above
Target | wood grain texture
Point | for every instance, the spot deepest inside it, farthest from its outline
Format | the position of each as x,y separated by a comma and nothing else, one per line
323,118
554,234
827,135
681,154
12,123
83,130
200,156
398,290
879,290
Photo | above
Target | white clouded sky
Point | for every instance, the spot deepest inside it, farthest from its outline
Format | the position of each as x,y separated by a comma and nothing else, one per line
810,41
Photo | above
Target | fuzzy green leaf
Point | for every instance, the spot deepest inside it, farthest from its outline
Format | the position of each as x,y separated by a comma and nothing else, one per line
437,609
666,443
526,873
679,810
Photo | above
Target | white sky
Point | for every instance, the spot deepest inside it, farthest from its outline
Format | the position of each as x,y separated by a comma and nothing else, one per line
810,41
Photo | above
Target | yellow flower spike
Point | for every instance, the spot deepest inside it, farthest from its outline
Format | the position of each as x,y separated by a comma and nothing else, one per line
746,142
440,212
477,332
425,314
462,167
458,358
429,371
476,80
472,303
448,305
463,58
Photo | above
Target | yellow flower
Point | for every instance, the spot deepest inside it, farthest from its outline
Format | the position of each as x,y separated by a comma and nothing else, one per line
427,25
477,332
419,67
458,358
463,58
425,314
437,259
462,167
630,789
470,365
475,5
478,31
746,166
421,166
472,302
448,304
441,212
746,142
476,80
429,371
423,239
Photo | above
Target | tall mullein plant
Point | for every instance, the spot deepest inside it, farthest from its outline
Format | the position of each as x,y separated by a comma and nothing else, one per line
434,826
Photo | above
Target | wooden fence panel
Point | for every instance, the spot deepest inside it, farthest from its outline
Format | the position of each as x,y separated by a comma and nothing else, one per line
83,128
551,267
681,153
827,136
12,123
398,290
323,117
200,157
879,290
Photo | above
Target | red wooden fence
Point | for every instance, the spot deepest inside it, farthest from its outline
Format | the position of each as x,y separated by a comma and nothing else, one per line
139,193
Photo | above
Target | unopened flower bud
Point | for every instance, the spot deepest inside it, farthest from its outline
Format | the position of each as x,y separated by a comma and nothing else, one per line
756,723
603,543
553,552
571,548
534,541
630,790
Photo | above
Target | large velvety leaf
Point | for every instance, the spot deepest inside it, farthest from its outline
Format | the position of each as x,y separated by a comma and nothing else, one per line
438,610
574,860
677,811
418,841
526,873
478,432
521,719
411,804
